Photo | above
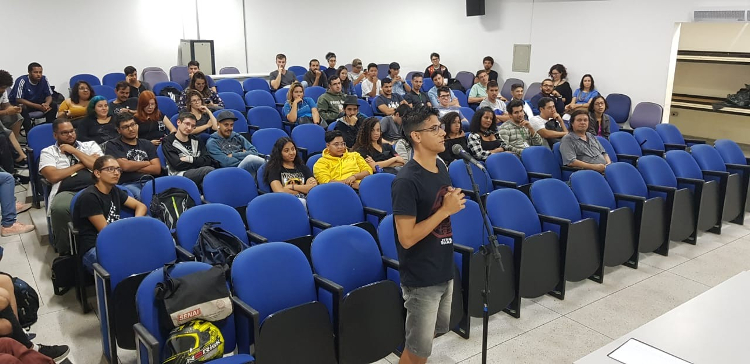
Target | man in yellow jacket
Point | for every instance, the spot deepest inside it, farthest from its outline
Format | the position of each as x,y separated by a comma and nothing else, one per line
339,165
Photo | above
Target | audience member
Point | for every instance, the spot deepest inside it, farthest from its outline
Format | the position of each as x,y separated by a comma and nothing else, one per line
281,77
210,97
356,75
478,92
400,87
11,153
548,124
74,107
339,165
516,91
387,101
123,102
136,157
454,134
99,205
11,208
416,97
583,95
547,90
439,81
286,172
10,115
495,102
331,104
186,154
517,134
231,149
152,124
378,155
136,87
98,126
488,62
314,76
301,109
403,149
347,87
331,70
599,122
371,84
205,118
444,106
350,122
559,76
32,92
436,67
193,68
485,138
67,166
390,126
580,148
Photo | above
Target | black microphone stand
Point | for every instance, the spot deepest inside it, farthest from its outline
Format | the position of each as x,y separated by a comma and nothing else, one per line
490,253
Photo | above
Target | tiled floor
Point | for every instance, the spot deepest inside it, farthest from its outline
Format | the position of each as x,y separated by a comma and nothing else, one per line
550,331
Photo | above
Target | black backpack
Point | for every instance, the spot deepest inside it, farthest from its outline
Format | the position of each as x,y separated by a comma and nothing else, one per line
27,301
168,205
217,246
171,92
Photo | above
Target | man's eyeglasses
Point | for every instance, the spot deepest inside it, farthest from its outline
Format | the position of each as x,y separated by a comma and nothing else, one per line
67,132
129,126
433,129
112,169
338,145
444,96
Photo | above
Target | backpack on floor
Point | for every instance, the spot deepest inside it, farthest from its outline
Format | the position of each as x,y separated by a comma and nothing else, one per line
217,246
169,205
63,274
27,301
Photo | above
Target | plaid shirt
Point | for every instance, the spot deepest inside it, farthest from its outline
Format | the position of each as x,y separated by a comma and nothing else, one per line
475,146
517,137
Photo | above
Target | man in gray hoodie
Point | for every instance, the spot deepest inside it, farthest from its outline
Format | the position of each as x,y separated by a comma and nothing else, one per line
231,149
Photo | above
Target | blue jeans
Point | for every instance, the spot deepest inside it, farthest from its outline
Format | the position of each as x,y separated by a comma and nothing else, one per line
8,198
89,258
134,188
252,163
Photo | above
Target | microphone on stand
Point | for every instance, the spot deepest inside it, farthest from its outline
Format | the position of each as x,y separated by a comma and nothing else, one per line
459,151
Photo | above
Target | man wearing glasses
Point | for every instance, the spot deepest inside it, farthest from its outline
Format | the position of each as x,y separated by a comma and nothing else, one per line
186,154
436,67
338,164
548,90
67,165
136,157
444,105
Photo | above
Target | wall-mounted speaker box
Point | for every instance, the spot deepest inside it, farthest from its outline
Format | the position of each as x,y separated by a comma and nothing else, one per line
474,7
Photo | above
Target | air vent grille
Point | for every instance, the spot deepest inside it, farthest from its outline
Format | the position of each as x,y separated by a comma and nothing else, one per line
720,15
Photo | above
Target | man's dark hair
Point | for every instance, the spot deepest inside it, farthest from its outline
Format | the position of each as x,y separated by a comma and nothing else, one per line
548,79
123,117
443,89
311,62
121,85
480,72
543,102
435,74
475,126
492,83
330,55
33,65
371,65
194,63
513,104
488,58
333,134
129,70
385,80
280,56
414,120
434,54
514,86
578,112
417,74
57,122
6,80
401,110
186,115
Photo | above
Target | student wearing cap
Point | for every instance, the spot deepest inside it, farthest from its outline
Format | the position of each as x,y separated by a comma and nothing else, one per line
357,75
399,86
349,124
231,149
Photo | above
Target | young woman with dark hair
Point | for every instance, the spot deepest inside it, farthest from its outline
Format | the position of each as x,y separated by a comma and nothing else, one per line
370,146
99,126
347,86
74,107
484,139
559,76
599,122
583,95
199,83
286,172
453,135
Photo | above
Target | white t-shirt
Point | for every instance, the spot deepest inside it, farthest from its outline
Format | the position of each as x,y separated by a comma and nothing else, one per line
54,157
498,105
367,87
4,98
537,122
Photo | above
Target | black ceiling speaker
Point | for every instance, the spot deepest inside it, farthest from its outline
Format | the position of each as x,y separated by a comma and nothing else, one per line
474,7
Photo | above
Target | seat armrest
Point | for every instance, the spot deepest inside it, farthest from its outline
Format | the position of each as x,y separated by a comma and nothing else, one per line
250,314
253,127
694,141
148,341
692,181
381,214
569,168
462,249
658,188
328,285
501,183
538,175
553,220
509,233
594,208
320,224
390,262
184,254
669,146
304,152
627,156
254,237
716,173
742,167
44,181
620,196
660,153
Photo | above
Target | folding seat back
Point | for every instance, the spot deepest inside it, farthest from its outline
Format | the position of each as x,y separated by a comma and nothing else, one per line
298,70
232,100
314,92
264,139
104,90
179,74
231,186
263,117
278,217
111,79
625,145
253,83
730,152
506,170
39,137
670,134
539,159
375,192
646,114
608,148
230,85
91,79
311,160
166,182
365,108
152,77
710,197
229,71
310,139
734,181
255,98
619,107
462,98
191,222
346,210
162,85
680,203
648,138
533,89
466,79
460,178
167,106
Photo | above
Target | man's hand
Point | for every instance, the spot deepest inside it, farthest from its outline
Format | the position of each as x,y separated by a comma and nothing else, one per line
281,70
503,99
599,168
555,93
13,110
453,201
350,180
526,124
317,73
45,107
185,159
404,102
156,141
67,148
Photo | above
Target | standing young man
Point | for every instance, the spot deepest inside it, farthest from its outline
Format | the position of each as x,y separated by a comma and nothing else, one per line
423,200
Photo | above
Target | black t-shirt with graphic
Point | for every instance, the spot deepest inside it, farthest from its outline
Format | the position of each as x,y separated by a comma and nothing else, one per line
419,192
297,176
143,150
92,202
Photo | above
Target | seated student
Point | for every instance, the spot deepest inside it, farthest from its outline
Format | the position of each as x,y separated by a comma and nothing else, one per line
444,105
331,70
517,133
281,77
286,172
136,87
347,86
371,84
548,124
390,126
548,90
350,122
11,208
416,97
204,116
356,75
10,116
67,166
485,138
583,95
193,68
454,134
495,102
387,101
599,122
301,109
32,92
436,67
100,205
123,102
314,76
152,124
331,103
136,157
98,126
580,148
400,87
11,153
559,76
339,165
478,92
210,98
439,81
186,154
488,62
74,107
404,149
231,149
378,155
516,91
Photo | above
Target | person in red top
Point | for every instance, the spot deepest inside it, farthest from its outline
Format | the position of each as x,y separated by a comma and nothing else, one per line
436,67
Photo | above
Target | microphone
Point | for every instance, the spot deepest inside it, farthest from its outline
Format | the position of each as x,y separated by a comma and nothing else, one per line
459,151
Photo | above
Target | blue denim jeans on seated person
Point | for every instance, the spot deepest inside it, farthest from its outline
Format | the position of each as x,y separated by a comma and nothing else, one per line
8,198
252,163
134,188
